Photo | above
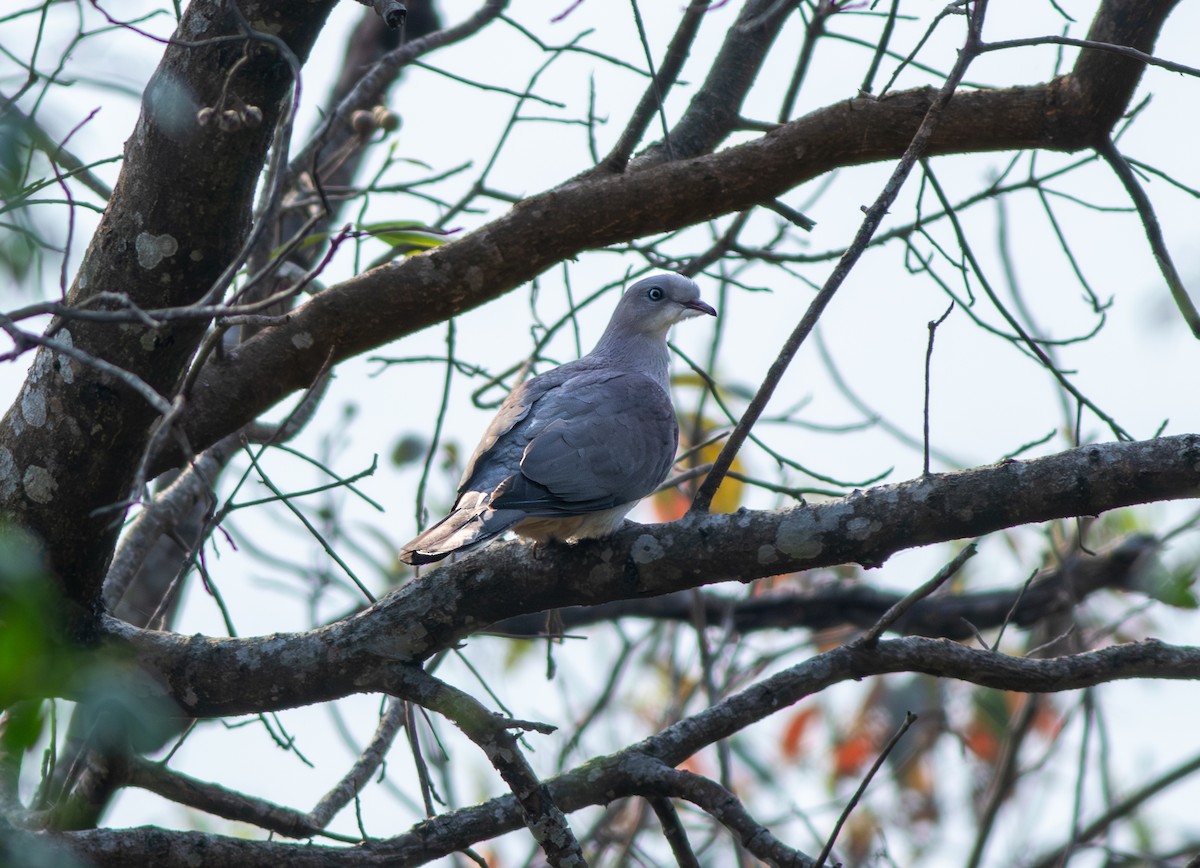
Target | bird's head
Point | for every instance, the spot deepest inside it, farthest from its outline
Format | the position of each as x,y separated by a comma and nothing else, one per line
655,303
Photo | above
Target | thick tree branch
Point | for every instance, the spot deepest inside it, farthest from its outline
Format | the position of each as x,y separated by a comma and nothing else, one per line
490,732
647,776
71,443
607,778
1068,114
211,677
72,446
664,79
948,616
714,111
217,800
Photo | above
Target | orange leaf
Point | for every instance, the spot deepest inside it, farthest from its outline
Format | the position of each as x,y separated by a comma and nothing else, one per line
793,733
670,505
981,741
850,755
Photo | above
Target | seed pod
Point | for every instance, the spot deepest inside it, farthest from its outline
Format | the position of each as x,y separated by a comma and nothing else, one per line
363,123
387,120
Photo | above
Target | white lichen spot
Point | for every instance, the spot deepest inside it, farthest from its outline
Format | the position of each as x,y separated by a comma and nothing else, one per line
889,493
33,405
148,340
153,249
33,396
303,341
861,528
43,366
645,549
196,256
797,537
767,554
39,484
196,24
66,368
475,278
8,473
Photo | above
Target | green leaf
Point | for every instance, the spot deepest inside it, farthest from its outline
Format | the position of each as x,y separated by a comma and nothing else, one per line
406,233
23,724
411,235
1174,587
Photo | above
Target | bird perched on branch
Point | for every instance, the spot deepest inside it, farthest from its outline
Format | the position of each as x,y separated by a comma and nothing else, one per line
570,452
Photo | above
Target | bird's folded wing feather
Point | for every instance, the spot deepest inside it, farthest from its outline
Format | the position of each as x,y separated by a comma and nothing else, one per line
496,446
598,441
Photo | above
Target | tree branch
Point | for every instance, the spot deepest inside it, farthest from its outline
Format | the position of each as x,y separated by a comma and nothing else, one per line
1070,113
949,616
211,677
607,778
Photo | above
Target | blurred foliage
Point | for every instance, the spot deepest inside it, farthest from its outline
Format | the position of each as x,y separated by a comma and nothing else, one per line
33,659
408,449
37,660
27,851
19,241
1173,585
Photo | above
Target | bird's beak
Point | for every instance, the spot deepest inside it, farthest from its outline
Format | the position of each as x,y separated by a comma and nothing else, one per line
701,307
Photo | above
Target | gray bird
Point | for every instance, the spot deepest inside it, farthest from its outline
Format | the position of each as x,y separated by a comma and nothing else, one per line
573,450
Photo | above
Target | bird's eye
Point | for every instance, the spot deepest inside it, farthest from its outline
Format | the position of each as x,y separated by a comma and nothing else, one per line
654,293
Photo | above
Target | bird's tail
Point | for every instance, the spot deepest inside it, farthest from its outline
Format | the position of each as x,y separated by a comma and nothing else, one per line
462,530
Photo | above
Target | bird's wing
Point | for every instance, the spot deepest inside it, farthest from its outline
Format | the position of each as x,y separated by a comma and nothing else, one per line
599,440
497,447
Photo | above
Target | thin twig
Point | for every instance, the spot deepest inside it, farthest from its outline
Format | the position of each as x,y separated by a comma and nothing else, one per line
373,84
660,84
1004,773
881,49
1158,244
933,325
317,535
870,638
1123,50
23,340
875,215
1027,342
490,732
909,719
368,761
1124,808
